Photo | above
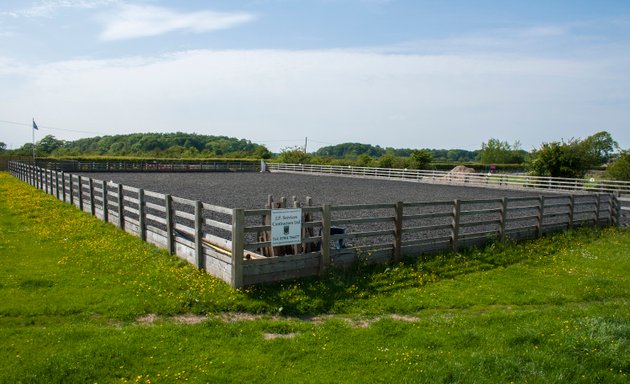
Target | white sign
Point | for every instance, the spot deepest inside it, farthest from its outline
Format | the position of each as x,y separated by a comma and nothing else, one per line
286,226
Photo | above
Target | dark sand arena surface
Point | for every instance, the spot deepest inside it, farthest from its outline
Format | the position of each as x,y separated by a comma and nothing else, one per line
250,190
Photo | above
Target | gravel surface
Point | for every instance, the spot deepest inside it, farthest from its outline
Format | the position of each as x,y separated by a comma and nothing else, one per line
250,190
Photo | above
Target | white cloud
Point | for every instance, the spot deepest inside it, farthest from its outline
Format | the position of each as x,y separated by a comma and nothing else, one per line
329,95
47,8
132,21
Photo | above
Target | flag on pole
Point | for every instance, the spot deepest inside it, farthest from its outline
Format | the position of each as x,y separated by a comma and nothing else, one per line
35,125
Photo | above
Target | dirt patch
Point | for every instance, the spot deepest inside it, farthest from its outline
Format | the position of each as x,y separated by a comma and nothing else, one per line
273,336
149,318
189,319
408,319
234,317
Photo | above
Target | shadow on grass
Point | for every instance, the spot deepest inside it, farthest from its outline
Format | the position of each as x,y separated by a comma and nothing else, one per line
340,288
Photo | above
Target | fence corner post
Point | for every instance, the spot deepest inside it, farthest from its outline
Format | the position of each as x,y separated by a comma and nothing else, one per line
455,224
238,241
398,224
325,242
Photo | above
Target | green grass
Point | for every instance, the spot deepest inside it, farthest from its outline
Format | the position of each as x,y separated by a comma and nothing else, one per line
76,296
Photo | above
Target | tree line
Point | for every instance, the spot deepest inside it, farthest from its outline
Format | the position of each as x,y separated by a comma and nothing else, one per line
572,158
161,145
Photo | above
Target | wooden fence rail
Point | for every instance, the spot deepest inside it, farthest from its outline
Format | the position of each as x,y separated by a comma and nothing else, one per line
226,242
479,179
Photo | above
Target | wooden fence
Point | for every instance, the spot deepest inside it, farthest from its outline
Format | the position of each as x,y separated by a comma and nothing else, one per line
226,242
139,165
472,179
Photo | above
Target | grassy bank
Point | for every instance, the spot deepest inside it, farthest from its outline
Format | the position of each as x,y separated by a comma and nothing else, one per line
81,301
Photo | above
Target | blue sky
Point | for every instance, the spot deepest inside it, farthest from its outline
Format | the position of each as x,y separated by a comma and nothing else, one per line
413,74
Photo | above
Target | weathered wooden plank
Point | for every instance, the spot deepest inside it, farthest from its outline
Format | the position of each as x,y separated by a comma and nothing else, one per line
130,188
354,235
363,220
428,204
358,207
184,228
480,222
427,228
184,215
131,210
155,207
480,212
218,224
217,209
181,200
432,215
438,239
156,195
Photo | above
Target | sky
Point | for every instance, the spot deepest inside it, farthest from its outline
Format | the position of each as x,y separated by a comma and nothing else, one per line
394,73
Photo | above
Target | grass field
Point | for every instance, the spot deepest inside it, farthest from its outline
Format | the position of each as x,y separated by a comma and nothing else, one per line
80,301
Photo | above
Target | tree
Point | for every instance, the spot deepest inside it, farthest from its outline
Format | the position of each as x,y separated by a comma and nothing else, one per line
3,147
48,144
600,147
573,158
420,158
501,152
294,155
619,169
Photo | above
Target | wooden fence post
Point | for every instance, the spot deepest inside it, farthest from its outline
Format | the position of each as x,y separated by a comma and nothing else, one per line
168,206
455,224
324,247
238,240
57,184
199,257
105,205
617,204
597,205
91,191
71,189
121,207
80,185
63,186
502,219
571,210
398,224
541,215
142,214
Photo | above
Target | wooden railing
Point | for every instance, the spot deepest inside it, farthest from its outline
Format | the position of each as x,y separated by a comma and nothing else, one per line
226,242
493,180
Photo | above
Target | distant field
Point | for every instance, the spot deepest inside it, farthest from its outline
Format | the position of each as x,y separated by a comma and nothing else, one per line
250,190
81,301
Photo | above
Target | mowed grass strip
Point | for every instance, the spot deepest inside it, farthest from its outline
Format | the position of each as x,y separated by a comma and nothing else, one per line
81,301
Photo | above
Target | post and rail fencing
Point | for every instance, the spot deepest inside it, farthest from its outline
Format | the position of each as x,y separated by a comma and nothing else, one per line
226,242
492,180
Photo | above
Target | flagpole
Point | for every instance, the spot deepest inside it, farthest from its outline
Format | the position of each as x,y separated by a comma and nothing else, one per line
33,129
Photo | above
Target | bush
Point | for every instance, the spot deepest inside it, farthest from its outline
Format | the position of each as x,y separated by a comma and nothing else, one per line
620,168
